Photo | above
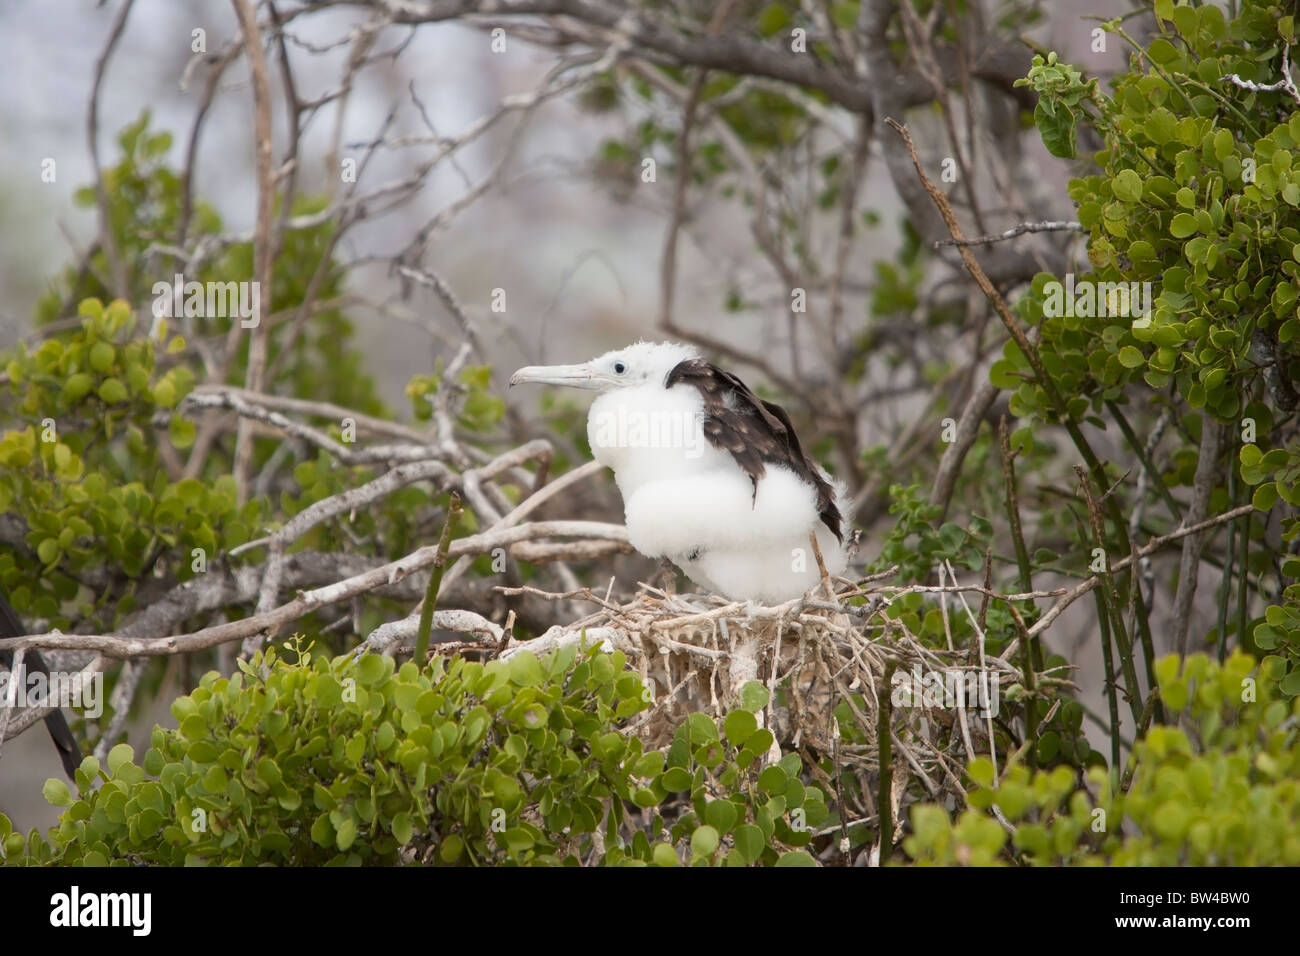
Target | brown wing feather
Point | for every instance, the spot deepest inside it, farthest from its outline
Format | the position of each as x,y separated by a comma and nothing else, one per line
753,431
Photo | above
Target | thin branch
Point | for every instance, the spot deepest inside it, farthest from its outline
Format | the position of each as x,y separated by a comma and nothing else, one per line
262,251
1286,84
1203,484
115,264
1049,225
309,601
967,430
435,581
1151,546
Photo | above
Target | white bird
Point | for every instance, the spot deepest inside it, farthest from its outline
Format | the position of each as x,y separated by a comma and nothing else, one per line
712,477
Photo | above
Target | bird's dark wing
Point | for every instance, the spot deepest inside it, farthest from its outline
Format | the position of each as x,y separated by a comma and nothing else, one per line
753,431
60,732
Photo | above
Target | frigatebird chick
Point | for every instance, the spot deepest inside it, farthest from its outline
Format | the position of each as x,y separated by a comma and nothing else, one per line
712,477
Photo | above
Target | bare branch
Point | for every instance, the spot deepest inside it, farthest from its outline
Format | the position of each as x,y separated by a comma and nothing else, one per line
108,241
1285,84
1207,464
262,251
1049,225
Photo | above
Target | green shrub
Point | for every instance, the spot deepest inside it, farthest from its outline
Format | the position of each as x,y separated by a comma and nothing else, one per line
1195,198
1220,787
347,761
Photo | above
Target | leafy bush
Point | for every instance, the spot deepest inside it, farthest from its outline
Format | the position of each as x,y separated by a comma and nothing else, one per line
1196,198
347,761
1225,791
83,470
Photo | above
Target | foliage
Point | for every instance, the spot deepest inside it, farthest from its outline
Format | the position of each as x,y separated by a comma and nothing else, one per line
94,440
1222,792
480,409
1195,193
346,761
81,466
916,546
84,457
145,209
1196,200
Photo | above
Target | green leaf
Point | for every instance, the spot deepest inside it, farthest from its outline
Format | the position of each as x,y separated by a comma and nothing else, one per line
704,841
701,728
753,696
347,834
1266,638
1162,51
721,815
1127,186
373,668
739,726
525,670
1265,496
1130,357
77,387
649,765
773,780
981,771
181,431
676,780
1171,820
112,391
749,841
664,855
101,357
1174,694
164,393
796,858
56,792
1057,129
1223,145
451,849
118,756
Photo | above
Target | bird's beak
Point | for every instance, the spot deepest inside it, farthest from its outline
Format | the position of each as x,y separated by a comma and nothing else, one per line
575,376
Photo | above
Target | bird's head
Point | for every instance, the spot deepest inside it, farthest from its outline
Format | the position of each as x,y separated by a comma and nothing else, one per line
641,363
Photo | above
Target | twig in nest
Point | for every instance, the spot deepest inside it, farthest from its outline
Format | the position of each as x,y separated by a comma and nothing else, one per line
821,565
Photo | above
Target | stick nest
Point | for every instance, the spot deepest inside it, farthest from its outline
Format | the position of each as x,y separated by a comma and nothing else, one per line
824,661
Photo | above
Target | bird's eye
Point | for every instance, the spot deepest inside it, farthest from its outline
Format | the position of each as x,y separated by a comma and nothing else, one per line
619,368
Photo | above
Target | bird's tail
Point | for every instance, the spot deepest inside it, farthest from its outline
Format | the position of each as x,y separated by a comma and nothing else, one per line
843,504
55,723
848,536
